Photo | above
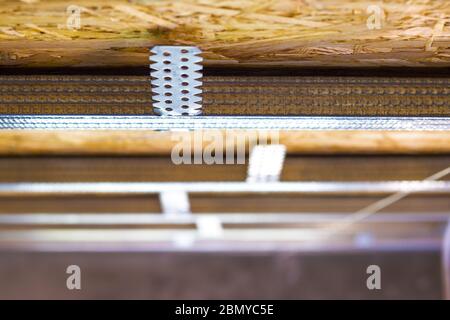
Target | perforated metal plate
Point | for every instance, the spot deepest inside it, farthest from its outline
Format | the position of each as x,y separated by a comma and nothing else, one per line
176,78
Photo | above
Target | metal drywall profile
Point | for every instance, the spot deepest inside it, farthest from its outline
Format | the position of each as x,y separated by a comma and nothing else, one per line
318,123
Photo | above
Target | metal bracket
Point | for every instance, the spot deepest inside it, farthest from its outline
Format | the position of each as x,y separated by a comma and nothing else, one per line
174,203
266,163
176,80
209,227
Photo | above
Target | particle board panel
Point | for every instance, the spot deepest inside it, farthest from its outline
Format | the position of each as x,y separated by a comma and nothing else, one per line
285,33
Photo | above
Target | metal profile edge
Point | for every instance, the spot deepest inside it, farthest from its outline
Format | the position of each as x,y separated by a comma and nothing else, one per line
80,219
442,187
53,122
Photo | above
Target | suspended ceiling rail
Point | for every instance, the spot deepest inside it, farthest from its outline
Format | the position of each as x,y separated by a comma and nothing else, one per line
57,122
243,218
8,189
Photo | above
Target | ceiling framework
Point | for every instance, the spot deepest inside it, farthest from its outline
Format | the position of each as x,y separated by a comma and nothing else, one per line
322,128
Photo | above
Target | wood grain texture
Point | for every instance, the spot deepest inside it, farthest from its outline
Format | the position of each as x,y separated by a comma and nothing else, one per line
207,203
298,33
162,169
22,142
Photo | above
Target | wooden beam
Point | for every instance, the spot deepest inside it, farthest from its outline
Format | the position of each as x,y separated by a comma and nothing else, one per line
162,169
34,142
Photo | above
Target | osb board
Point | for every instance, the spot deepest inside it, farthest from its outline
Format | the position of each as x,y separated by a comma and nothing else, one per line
20,142
307,33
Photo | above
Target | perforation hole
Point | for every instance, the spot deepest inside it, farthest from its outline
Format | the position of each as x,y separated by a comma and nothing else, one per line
167,54
168,94
168,101
185,107
185,99
167,86
184,59
184,75
184,91
167,70
184,50
166,62
185,114
184,67
167,78
169,109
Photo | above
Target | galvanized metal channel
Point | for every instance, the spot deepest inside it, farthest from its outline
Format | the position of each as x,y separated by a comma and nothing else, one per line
64,122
